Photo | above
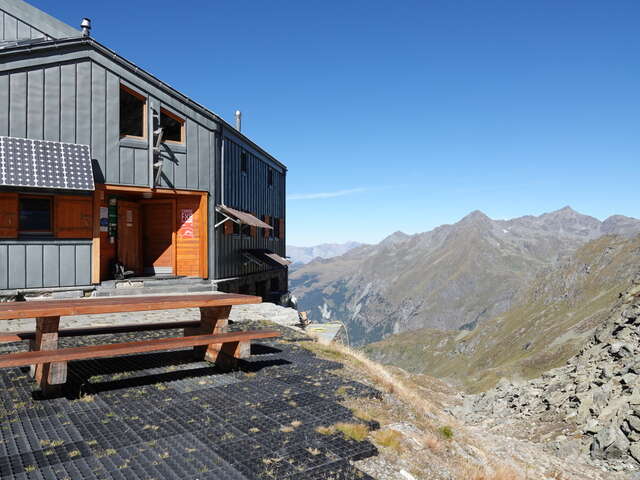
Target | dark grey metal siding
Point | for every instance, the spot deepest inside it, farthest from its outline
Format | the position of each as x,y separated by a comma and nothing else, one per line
250,192
43,263
78,102
22,21
13,29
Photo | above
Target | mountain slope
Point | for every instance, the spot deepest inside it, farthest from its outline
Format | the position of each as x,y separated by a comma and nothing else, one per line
549,322
324,250
455,276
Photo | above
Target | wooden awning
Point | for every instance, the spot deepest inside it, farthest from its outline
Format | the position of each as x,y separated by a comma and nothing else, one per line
242,217
45,164
266,257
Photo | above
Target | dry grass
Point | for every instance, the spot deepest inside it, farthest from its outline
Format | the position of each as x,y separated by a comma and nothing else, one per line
389,439
475,472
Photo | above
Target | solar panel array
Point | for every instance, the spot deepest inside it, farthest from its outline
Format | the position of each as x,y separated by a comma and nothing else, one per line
45,164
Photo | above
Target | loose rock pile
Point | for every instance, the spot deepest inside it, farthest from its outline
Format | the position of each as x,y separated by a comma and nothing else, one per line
598,392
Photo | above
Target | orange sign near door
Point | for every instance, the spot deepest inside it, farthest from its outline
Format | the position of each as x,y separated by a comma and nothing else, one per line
186,223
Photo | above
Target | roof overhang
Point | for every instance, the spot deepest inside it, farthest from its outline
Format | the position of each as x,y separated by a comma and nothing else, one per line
241,217
45,164
264,257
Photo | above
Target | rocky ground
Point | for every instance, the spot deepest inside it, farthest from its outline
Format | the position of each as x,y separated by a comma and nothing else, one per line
588,409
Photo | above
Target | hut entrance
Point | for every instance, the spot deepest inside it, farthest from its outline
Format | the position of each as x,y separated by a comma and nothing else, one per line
158,235
129,235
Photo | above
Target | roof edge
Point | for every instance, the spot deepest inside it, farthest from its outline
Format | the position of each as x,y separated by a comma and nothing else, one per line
112,55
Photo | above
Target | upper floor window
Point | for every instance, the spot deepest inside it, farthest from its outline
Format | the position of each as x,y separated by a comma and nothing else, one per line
243,162
270,177
133,113
172,127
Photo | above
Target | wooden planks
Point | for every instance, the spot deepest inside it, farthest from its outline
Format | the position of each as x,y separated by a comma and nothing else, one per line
42,308
188,236
113,350
157,234
102,330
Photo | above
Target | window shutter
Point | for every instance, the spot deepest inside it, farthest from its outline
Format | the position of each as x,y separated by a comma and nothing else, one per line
8,215
281,220
265,231
228,227
72,217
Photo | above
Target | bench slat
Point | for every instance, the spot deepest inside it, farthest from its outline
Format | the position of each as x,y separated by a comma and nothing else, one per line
101,330
88,306
112,350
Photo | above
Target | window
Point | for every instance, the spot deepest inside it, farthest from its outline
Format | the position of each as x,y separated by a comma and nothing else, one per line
246,229
35,215
270,177
133,113
243,162
172,127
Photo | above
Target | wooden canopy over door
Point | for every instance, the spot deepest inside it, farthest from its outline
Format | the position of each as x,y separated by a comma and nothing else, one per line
129,235
158,235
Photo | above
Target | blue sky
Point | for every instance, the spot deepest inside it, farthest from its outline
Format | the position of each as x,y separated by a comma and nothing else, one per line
406,115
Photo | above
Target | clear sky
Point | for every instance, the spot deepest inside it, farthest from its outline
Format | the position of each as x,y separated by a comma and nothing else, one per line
406,115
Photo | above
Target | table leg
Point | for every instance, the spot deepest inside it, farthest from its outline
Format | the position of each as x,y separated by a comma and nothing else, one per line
213,320
49,375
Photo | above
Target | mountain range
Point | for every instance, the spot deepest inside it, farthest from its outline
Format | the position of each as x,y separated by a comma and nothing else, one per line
450,278
301,255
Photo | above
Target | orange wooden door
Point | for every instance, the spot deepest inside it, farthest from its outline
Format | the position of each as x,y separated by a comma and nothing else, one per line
129,235
158,235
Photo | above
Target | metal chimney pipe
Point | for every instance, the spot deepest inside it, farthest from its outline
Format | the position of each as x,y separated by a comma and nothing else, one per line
238,120
86,27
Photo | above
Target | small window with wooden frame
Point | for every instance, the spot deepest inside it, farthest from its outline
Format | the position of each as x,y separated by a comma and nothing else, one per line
172,127
35,215
133,114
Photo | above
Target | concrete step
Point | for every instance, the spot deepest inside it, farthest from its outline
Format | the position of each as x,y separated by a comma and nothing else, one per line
202,287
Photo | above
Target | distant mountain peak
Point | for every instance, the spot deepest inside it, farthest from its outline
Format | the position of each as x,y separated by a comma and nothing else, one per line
395,238
475,217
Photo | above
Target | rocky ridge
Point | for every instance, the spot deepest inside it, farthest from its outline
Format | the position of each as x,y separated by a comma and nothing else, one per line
590,407
454,277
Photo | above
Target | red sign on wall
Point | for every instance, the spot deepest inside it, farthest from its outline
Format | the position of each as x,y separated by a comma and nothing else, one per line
186,223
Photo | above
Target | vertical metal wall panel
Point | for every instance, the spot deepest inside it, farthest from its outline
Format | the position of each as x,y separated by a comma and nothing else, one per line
17,270
68,103
10,27
127,166
24,31
204,158
83,264
180,170
4,267
169,160
68,260
83,107
4,105
51,265
112,140
98,116
35,104
34,265
18,104
2,15
192,154
141,166
52,103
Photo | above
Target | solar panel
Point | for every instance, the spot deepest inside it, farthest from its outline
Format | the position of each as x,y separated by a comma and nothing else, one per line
45,164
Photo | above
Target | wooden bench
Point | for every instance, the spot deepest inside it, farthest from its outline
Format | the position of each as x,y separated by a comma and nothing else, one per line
207,336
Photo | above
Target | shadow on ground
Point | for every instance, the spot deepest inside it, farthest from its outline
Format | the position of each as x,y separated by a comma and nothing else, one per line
164,416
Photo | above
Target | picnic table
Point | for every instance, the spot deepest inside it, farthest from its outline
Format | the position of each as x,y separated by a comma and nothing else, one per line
208,336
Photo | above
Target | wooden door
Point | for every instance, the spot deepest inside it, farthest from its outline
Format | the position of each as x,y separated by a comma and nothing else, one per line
129,235
158,235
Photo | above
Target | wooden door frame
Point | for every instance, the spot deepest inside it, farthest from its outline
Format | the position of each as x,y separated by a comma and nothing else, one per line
163,194
174,225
